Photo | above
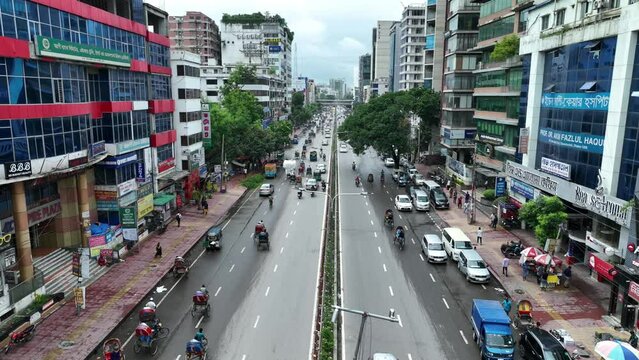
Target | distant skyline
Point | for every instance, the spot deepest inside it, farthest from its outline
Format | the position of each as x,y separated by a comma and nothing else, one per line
330,35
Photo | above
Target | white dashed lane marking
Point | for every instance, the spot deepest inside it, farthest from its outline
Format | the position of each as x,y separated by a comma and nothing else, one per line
218,291
384,265
232,267
390,288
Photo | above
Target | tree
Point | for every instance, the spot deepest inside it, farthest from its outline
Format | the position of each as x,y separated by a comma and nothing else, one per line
384,122
241,75
506,48
544,215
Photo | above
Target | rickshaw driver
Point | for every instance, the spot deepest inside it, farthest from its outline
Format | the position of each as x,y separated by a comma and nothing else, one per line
205,291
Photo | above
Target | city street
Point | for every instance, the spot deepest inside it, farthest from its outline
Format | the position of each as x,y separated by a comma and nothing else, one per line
262,301
432,301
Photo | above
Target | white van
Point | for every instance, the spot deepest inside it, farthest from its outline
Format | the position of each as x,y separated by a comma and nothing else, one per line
433,248
430,185
455,241
473,266
421,201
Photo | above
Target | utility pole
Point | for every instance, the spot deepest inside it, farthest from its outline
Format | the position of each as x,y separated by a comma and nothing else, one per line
223,166
365,315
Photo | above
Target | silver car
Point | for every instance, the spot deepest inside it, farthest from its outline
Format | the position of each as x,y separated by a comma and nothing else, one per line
267,189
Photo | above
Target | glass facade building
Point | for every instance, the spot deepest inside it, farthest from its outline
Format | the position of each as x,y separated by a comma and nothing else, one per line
81,85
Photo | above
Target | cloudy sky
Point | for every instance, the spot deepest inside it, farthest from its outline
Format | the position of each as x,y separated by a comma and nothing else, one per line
330,34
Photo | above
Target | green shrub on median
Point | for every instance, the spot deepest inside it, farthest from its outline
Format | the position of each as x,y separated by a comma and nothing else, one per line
253,181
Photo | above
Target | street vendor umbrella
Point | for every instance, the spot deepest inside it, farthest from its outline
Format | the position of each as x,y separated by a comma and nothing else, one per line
616,350
545,259
531,252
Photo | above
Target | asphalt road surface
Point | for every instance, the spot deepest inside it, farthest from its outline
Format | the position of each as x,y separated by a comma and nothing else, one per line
432,301
262,300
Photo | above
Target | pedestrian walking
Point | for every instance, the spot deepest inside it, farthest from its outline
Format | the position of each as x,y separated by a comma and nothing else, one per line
540,272
507,304
158,250
178,218
448,184
544,279
205,207
525,270
633,339
465,208
450,193
467,197
493,221
454,194
567,276
245,172
504,265
459,202
479,236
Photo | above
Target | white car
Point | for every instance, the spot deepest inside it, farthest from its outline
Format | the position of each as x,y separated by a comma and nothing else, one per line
343,148
403,203
311,184
324,142
389,162
419,179
267,189
321,168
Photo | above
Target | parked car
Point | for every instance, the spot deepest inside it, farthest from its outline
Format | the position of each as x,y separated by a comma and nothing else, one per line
324,142
410,191
421,200
433,248
411,171
321,168
402,180
539,344
389,162
419,179
343,148
397,174
402,203
455,241
473,266
267,189
439,199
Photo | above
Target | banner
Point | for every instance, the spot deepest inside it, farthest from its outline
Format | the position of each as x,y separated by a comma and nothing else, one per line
555,167
206,129
500,186
60,49
577,141
579,101
128,218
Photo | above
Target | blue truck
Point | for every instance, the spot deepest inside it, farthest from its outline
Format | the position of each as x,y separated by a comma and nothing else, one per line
491,330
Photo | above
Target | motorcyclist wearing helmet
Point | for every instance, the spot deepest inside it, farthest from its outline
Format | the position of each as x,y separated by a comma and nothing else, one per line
151,304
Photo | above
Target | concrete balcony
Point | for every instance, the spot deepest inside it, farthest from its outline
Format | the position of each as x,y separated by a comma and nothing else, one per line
496,91
495,65
496,116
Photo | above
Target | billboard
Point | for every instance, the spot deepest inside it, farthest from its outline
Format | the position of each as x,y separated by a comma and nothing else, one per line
299,84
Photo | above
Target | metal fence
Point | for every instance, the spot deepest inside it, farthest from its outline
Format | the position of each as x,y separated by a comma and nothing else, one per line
27,287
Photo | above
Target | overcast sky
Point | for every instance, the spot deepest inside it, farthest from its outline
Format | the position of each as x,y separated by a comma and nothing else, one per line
330,35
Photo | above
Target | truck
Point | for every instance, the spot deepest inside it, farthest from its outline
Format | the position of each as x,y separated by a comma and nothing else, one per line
491,330
270,170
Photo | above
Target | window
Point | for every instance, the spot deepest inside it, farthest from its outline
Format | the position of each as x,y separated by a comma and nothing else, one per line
163,122
191,139
165,152
160,87
141,128
497,28
188,94
559,17
190,116
545,22
211,81
186,70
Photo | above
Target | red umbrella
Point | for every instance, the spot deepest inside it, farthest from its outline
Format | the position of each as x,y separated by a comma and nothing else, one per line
531,252
545,259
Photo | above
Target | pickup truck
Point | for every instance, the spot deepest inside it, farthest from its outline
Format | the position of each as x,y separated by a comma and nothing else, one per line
491,330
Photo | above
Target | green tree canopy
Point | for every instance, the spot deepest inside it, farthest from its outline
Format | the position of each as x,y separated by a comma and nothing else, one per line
241,75
506,48
384,122
544,215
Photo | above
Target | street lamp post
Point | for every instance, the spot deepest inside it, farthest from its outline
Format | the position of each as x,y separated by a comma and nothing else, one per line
365,315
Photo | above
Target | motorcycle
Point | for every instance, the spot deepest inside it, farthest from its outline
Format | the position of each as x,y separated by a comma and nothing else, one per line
299,194
353,166
312,193
270,202
323,185
356,182
509,223
20,337
512,249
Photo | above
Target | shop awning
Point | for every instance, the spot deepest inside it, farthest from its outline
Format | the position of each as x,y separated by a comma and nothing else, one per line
173,175
162,199
487,172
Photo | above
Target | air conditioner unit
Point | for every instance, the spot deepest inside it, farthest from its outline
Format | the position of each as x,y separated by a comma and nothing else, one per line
12,277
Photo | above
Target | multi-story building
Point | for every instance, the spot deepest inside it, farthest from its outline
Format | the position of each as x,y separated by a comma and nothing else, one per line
413,40
580,94
311,91
187,119
339,86
81,87
460,59
395,47
364,72
269,90
380,62
379,87
197,33
497,89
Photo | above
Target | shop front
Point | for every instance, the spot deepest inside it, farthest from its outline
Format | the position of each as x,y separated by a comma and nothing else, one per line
627,295
145,208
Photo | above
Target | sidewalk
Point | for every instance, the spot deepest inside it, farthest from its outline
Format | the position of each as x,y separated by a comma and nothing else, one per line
577,309
111,298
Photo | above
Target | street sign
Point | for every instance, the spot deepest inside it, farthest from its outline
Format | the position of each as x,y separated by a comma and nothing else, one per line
75,264
500,186
78,294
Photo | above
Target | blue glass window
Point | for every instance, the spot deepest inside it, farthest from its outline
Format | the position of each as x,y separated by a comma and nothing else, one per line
630,153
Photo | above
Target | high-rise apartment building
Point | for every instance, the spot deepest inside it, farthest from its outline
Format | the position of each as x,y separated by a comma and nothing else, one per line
458,129
497,89
85,97
187,118
364,72
580,97
394,66
381,50
260,42
412,43
197,33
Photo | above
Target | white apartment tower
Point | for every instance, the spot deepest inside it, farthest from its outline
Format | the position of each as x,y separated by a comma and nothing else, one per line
382,50
412,43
